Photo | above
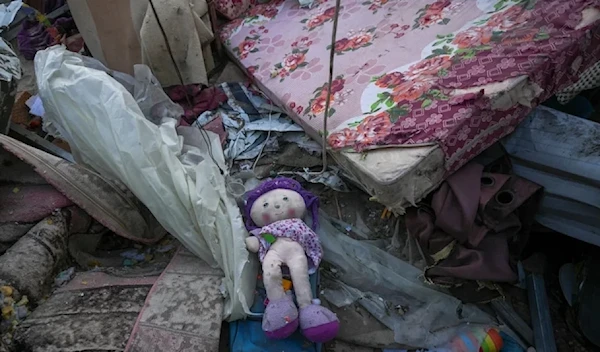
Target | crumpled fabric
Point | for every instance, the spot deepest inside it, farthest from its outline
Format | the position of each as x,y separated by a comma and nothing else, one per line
589,79
32,38
35,35
248,118
201,99
473,221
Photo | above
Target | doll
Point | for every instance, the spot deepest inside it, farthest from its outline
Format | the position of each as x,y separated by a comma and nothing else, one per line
274,213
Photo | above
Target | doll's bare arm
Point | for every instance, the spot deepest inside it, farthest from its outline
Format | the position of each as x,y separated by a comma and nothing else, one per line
252,244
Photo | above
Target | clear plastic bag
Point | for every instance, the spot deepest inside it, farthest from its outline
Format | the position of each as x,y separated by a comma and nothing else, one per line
392,291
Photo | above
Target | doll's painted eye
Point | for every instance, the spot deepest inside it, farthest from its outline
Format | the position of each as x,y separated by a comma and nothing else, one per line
285,198
265,205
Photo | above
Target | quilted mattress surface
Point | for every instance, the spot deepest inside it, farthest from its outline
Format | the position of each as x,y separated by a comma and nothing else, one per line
446,78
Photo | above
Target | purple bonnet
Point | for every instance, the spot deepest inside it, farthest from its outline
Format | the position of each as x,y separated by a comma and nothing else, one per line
310,200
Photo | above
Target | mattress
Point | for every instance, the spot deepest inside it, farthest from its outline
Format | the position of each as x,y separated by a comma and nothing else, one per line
419,88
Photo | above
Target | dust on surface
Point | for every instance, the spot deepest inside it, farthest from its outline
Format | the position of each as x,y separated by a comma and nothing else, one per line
356,210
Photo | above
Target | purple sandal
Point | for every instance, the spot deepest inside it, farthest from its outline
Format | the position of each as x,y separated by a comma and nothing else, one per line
318,323
280,319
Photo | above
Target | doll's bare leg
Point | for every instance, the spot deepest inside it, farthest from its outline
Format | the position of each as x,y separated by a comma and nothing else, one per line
318,323
298,265
272,277
280,319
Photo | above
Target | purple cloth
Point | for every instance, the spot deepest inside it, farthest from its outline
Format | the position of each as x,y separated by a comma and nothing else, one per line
32,38
296,230
310,200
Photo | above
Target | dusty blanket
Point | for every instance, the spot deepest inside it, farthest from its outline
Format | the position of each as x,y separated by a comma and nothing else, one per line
183,311
94,312
180,310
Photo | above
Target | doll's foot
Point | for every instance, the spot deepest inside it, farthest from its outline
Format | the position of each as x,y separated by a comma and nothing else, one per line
318,323
280,319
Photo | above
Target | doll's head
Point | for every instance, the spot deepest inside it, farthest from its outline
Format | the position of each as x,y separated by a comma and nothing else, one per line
279,199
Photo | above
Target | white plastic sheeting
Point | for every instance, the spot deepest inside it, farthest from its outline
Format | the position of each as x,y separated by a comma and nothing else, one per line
173,171
392,291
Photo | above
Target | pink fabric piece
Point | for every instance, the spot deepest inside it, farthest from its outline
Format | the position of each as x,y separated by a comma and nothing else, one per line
398,62
106,202
29,203
216,126
298,231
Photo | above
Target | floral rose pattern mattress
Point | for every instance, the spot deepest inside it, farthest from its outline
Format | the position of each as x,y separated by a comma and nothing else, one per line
398,65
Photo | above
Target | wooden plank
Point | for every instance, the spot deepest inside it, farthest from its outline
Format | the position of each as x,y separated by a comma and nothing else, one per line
28,137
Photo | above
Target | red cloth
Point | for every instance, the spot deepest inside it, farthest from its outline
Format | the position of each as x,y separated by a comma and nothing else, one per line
201,99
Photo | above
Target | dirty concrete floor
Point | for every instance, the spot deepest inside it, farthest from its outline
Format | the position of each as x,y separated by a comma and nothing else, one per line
558,250
366,222
356,209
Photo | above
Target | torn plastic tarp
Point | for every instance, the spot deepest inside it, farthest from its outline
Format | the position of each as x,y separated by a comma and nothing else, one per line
145,89
392,291
177,178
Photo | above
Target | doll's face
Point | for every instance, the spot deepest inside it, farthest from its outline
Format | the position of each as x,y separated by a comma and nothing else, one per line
275,205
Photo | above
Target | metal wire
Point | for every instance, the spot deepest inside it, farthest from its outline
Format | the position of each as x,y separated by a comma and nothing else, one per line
180,76
328,101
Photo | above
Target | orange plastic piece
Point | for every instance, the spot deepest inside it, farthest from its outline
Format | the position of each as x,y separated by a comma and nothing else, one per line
287,285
